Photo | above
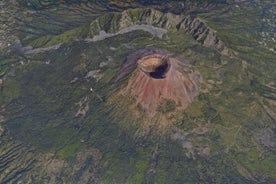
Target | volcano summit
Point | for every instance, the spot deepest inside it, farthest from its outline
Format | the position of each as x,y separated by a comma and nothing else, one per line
160,83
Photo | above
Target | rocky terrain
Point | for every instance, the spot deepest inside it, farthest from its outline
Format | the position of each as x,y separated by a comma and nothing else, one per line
112,23
137,91
160,84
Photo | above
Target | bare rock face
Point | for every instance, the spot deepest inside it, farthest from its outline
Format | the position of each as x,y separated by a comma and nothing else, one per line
202,33
197,28
160,84
154,65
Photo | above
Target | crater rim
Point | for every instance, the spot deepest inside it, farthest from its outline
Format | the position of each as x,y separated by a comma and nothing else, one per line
155,65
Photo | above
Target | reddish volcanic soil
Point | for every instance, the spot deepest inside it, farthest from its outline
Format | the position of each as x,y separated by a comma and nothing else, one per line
159,76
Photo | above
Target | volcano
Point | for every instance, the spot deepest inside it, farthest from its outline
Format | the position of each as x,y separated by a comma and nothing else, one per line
160,83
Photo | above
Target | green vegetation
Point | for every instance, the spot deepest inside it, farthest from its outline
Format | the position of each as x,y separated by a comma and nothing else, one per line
226,135
166,105
41,4
10,91
50,40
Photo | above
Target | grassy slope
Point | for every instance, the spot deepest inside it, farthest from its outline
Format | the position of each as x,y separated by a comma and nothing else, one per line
41,106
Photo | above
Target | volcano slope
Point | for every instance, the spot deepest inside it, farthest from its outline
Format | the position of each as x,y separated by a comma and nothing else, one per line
74,107
160,84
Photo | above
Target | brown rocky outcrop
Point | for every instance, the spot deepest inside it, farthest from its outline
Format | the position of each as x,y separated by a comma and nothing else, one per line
160,83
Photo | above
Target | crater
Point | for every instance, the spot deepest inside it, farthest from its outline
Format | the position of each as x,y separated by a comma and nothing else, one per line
159,84
155,65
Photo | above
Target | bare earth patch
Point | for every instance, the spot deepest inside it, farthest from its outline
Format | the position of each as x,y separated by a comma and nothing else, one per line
159,83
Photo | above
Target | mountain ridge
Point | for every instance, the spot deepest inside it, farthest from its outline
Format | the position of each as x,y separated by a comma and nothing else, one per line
199,30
